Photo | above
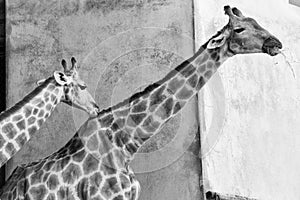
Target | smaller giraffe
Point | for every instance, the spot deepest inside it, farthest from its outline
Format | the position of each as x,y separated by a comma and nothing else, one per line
95,163
19,122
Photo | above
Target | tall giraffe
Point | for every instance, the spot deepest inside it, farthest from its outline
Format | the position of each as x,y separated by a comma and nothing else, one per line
94,164
19,122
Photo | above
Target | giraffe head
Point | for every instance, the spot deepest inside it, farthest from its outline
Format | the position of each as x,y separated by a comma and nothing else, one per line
244,35
75,91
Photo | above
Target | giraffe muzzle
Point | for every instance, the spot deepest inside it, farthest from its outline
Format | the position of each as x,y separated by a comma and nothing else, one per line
271,46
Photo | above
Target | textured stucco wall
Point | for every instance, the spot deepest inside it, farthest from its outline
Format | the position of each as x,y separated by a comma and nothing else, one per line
121,46
255,152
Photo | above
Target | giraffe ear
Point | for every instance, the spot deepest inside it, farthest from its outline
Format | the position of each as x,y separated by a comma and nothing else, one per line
61,78
40,82
217,41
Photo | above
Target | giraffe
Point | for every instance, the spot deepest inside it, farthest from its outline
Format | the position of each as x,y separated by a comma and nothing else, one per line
94,164
19,122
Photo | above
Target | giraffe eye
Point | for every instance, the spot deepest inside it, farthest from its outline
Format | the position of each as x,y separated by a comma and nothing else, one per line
82,87
239,30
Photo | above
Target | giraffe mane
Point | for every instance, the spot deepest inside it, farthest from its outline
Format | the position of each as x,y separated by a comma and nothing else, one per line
25,100
154,85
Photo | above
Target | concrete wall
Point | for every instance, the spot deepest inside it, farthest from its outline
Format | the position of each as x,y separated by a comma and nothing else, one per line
121,46
251,139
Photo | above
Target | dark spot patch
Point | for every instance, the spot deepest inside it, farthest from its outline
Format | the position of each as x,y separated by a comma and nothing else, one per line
134,120
64,193
46,94
3,158
96,179
131,148
128,195
200,84
38,192
202,59
106,143
121,138
10,149
45,177
175,84
48,107
108,133
110,187
47,115
14,194
202,68
74,145
193,80
210,65
133,192
31,120
2,141
21,125
48,165
61,164
90,164
208,74
39,165
214,55
108,170
41,113
50,88
178,107
93,190
188,70
157,97
36,177
106,121
140,107
82,189
108,164
125,183
41,104
17,118
40,122
21,139
118,124
97,198
122,113
52,182
165,110
61,153
141,135
150,125
35,111
119,197
53,97
93,143
32,130
9,130
71,174
184,93
27,111
50,197
79,156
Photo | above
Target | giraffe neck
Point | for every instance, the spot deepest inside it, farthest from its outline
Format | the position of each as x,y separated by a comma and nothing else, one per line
125,127
18,123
